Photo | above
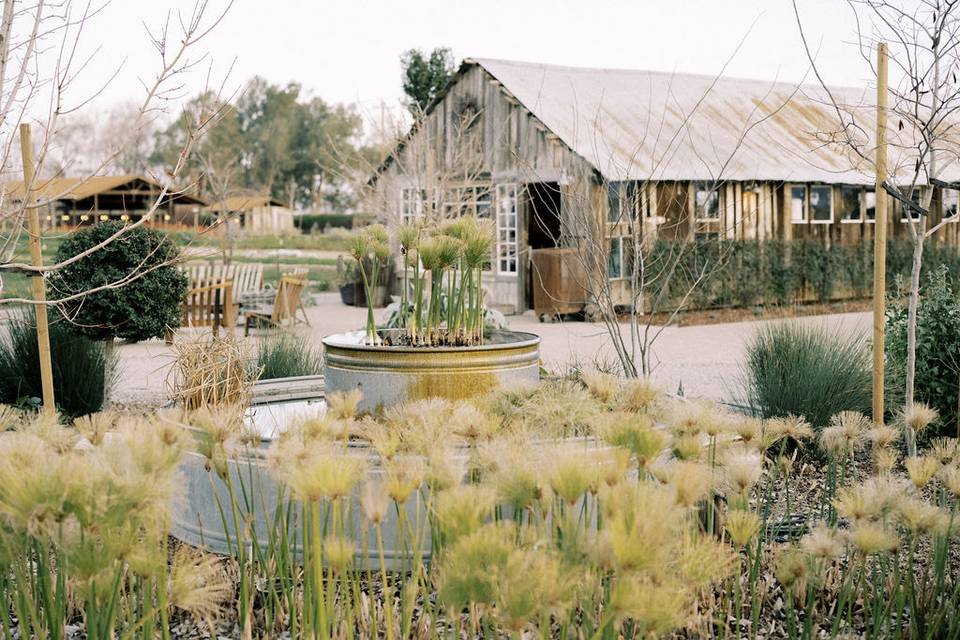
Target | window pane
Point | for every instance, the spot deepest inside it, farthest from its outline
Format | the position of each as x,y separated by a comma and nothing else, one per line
950,200
820,203
614,266
613,201
849,203
706,202
798,204
870,204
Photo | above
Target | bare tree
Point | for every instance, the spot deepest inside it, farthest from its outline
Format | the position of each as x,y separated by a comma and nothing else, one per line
39,63
924,98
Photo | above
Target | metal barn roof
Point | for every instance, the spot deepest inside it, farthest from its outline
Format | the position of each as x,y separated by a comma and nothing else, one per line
645,125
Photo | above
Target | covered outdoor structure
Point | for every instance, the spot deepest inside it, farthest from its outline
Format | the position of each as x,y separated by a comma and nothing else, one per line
255,213
70,202
563,156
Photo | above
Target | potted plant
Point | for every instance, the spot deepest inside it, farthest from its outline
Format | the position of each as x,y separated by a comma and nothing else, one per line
441,346
347,280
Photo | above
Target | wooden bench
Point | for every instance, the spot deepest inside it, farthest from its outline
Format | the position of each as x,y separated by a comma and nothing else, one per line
286,304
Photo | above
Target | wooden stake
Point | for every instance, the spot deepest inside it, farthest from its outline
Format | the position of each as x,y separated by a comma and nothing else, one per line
36,281
880,236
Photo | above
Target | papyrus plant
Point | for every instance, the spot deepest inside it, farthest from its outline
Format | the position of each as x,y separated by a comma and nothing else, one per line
441,300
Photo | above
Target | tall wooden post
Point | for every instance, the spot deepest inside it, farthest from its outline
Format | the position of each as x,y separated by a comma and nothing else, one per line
880,236
36,281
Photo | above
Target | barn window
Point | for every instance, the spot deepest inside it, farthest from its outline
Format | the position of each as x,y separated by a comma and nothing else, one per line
706,201
950,202
620,257
850,203
821,204
870,205
466,199
798,204
411,205
915,197
621,201
506,245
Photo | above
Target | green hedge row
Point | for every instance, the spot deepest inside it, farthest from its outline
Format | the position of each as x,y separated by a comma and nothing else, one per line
310,222
748,273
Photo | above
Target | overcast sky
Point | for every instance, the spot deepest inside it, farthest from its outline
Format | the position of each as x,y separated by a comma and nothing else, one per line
349,50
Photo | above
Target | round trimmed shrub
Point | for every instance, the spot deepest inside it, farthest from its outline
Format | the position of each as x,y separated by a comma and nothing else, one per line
141,309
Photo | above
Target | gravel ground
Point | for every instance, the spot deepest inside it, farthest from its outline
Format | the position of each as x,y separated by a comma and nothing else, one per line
704,359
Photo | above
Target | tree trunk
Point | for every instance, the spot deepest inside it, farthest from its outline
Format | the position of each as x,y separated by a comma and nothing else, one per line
914,302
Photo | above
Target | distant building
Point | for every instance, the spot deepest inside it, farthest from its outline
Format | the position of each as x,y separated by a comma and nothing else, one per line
85,201
549,152
256,214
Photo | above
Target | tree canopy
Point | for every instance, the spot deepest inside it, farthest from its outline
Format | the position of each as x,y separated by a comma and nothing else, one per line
425,76
274,139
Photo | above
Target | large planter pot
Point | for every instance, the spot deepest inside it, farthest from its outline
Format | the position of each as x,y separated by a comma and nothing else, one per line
389,375
347,294
202,516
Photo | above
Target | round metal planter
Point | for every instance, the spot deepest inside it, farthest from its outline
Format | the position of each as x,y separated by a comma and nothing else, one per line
389,375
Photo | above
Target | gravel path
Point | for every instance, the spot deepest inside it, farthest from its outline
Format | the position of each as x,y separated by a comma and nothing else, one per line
704,359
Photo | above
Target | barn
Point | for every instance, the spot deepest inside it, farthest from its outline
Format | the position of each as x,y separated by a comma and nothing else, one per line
555,154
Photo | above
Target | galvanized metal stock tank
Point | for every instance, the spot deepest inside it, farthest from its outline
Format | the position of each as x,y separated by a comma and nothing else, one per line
388,375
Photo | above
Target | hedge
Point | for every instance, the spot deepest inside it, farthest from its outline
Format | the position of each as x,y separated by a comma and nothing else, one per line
744,273
310,222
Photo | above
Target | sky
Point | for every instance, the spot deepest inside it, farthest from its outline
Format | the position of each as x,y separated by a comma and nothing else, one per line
348,51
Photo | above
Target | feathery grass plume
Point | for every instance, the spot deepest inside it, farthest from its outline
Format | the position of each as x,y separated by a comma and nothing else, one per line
742,470
921,517
634,432
612,466
918,416
94,426
404,475
315,470
871,539
921,469
568,475
338,552
839,442
221,434
468,569
691,417
462,510
881,436
638,395
374,501
687,447
563,409
47,427
601,386
641,525
691,482
323,426
386,441
823,543
409,238
748,429
884,459
944,449
796,428
532,583
446,468
704,560
950,476
791,567
10,417
655,608
471,423
343,404
517,478
198,585
423,425
742,526
869,500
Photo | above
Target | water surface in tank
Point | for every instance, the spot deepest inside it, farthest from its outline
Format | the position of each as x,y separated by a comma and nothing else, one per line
270,419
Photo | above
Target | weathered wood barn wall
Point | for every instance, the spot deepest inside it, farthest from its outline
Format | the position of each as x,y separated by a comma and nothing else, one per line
561,156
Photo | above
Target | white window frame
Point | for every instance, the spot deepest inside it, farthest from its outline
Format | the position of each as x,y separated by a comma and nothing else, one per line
506,245
411,205
861,210
953,198
833,212
703,187
623,247
806,202
864,206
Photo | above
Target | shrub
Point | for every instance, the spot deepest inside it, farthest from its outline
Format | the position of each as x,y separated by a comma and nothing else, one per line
806,370
310,222
82,370
139,310
285,355
937,381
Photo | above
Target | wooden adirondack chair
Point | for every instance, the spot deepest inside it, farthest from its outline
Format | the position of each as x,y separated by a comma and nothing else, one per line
210,305
285,305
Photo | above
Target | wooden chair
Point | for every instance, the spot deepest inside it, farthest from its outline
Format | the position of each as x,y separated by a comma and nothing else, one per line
285,305
210,305
246,279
